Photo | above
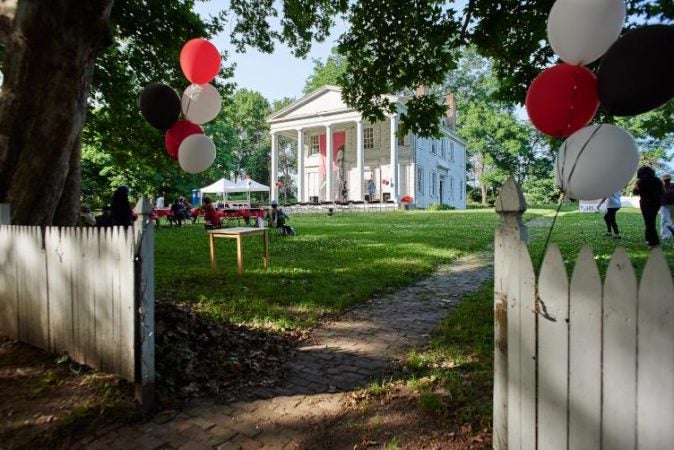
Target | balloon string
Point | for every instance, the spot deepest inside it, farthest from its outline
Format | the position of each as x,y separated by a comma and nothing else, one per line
582,149
187,108
547,240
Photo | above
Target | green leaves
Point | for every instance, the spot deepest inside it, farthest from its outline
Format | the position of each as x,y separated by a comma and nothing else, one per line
396,46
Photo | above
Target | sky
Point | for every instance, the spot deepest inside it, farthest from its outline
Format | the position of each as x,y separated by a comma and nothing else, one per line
276,75
280,74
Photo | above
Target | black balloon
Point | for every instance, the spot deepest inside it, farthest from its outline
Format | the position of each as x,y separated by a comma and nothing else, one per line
636,74
160,105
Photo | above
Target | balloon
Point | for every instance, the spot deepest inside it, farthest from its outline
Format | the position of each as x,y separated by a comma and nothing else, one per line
177,133
200,61
580,31
635,75
562,99
201,103
596,161
160,105
196,153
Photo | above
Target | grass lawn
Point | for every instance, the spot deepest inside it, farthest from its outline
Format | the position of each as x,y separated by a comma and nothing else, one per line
333,262
336,261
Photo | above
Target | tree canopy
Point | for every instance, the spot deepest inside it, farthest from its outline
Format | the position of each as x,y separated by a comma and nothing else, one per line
394,46
108,50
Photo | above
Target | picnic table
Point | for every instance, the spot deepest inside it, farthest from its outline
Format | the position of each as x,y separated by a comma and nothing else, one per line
238,233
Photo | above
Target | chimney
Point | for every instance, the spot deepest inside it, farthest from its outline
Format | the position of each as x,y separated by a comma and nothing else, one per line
421,90
451,111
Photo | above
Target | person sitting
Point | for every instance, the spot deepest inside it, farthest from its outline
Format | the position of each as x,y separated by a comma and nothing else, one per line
178,212
278,219
120,208
210,214
86,218
105,218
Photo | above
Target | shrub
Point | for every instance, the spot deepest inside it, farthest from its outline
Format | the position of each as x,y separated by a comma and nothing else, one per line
439,207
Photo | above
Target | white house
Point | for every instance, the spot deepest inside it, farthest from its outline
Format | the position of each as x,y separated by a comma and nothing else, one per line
428,170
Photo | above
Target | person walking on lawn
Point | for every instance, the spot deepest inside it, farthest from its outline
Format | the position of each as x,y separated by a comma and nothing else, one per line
650,189
612,207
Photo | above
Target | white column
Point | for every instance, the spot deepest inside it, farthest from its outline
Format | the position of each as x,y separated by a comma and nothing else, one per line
300,166
358,193
274,167
328,164
394,159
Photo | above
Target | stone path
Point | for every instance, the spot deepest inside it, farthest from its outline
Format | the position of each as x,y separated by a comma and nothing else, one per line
344,355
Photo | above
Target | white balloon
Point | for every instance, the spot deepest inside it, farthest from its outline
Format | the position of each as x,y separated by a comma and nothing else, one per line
201,103
596,161
580,31
196,153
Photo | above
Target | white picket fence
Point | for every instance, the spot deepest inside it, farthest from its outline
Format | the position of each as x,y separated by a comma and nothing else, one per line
87,292
580,363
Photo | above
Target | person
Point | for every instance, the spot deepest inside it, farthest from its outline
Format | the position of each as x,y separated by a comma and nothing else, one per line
345,192
159,203
86,218
650,190
371,189
105,218
612,206
278,218
178,212
667,208
210,214
120,208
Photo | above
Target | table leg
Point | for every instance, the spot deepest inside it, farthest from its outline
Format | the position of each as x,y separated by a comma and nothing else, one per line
239,254
265,236
211,241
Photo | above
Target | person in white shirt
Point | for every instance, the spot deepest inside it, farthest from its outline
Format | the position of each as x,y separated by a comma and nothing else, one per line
612,206
160,202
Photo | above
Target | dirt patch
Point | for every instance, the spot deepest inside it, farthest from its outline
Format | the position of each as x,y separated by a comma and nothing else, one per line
47,398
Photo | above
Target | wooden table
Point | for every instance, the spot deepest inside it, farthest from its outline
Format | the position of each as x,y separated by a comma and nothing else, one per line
238,233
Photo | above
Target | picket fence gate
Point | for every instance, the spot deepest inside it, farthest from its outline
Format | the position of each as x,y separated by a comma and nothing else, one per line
87,292
579,363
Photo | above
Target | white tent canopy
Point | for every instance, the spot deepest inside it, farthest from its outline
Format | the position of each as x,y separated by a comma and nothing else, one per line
220,187
242,186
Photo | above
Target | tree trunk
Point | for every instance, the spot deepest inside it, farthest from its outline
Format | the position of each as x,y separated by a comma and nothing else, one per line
50,53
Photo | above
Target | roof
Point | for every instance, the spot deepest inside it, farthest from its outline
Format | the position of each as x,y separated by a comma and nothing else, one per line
330,103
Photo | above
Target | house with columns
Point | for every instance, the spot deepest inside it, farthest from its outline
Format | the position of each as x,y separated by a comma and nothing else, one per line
370,162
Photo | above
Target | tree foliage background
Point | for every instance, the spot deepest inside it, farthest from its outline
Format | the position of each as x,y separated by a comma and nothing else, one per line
93,127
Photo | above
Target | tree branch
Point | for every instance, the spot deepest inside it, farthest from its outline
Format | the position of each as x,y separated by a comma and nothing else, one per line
469,14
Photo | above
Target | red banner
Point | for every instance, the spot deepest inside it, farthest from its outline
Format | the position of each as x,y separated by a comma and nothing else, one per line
338,140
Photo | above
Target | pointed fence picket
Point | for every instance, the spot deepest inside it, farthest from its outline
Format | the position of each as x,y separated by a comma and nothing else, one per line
589,364
75,291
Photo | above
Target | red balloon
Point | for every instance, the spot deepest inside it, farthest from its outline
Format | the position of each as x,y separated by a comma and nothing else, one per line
200,61
177,134
562,99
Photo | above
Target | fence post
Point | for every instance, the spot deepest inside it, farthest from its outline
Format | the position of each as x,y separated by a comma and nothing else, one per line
510,205
5,218
144,304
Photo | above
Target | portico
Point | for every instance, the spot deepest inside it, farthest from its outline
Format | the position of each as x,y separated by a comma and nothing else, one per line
335,134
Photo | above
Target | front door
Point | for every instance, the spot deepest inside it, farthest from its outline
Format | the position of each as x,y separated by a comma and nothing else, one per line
313,186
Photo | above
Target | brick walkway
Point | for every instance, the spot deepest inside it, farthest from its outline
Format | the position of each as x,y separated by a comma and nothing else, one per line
345,354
